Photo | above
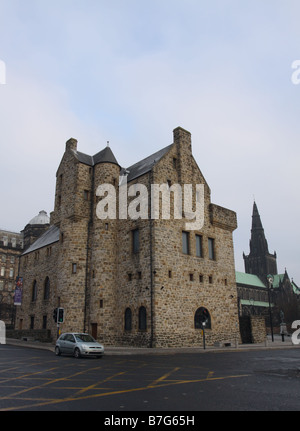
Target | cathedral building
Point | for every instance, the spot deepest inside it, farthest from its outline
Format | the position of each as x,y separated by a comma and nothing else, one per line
252,286
146,280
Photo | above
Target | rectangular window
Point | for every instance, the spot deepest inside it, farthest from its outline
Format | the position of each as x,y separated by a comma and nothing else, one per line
199,252
185,242
211,248
44,322
74,268
135,241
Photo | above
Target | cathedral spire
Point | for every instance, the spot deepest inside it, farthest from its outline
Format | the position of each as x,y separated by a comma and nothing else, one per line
259,261
258,242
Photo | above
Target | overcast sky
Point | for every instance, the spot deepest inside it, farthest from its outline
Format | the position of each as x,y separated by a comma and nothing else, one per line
129,72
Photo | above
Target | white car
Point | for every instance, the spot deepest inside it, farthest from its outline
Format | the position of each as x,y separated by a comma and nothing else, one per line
78,344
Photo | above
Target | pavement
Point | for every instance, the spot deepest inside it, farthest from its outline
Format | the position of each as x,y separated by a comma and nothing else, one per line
115,350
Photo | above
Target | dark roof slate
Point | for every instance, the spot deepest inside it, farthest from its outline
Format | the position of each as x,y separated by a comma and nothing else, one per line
49,237
145,165
104,156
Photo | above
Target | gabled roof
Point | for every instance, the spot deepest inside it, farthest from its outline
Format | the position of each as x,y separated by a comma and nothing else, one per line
248,279
49,237
104,156
145,165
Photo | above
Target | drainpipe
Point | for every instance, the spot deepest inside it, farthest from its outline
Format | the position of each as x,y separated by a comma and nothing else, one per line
88,254
151,260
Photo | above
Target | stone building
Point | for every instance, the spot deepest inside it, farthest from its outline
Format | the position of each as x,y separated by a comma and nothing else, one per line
145,280
11,247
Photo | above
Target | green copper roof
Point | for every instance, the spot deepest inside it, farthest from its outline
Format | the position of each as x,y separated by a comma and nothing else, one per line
248,279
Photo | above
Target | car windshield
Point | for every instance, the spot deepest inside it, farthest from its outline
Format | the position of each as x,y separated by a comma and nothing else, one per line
85,338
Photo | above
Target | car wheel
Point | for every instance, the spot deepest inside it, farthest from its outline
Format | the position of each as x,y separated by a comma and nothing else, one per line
57,351
77,353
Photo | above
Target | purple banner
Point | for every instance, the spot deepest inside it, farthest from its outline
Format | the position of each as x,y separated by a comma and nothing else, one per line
18,291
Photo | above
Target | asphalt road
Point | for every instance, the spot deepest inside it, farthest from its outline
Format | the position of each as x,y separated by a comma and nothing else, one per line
37,380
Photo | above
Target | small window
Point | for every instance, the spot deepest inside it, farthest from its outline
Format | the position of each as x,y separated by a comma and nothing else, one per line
129,276
139,275
47,289
210,279
174,162
44,322
199,251
185,242
191,277
74,268
170,274
86,195
135,241
142,319
201,278
101,303
34,291
128,319
211,248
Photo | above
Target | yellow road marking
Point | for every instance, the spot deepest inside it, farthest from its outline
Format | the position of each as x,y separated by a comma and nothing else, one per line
160,379
70,399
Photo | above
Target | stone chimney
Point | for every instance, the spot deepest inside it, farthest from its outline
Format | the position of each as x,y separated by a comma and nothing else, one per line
71,144
182,138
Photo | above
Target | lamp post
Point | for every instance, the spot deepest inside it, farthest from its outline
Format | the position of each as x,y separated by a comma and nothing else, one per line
270,283
203,329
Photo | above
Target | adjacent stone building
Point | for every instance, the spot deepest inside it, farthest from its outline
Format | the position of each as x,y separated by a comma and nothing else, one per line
146,280
11,247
